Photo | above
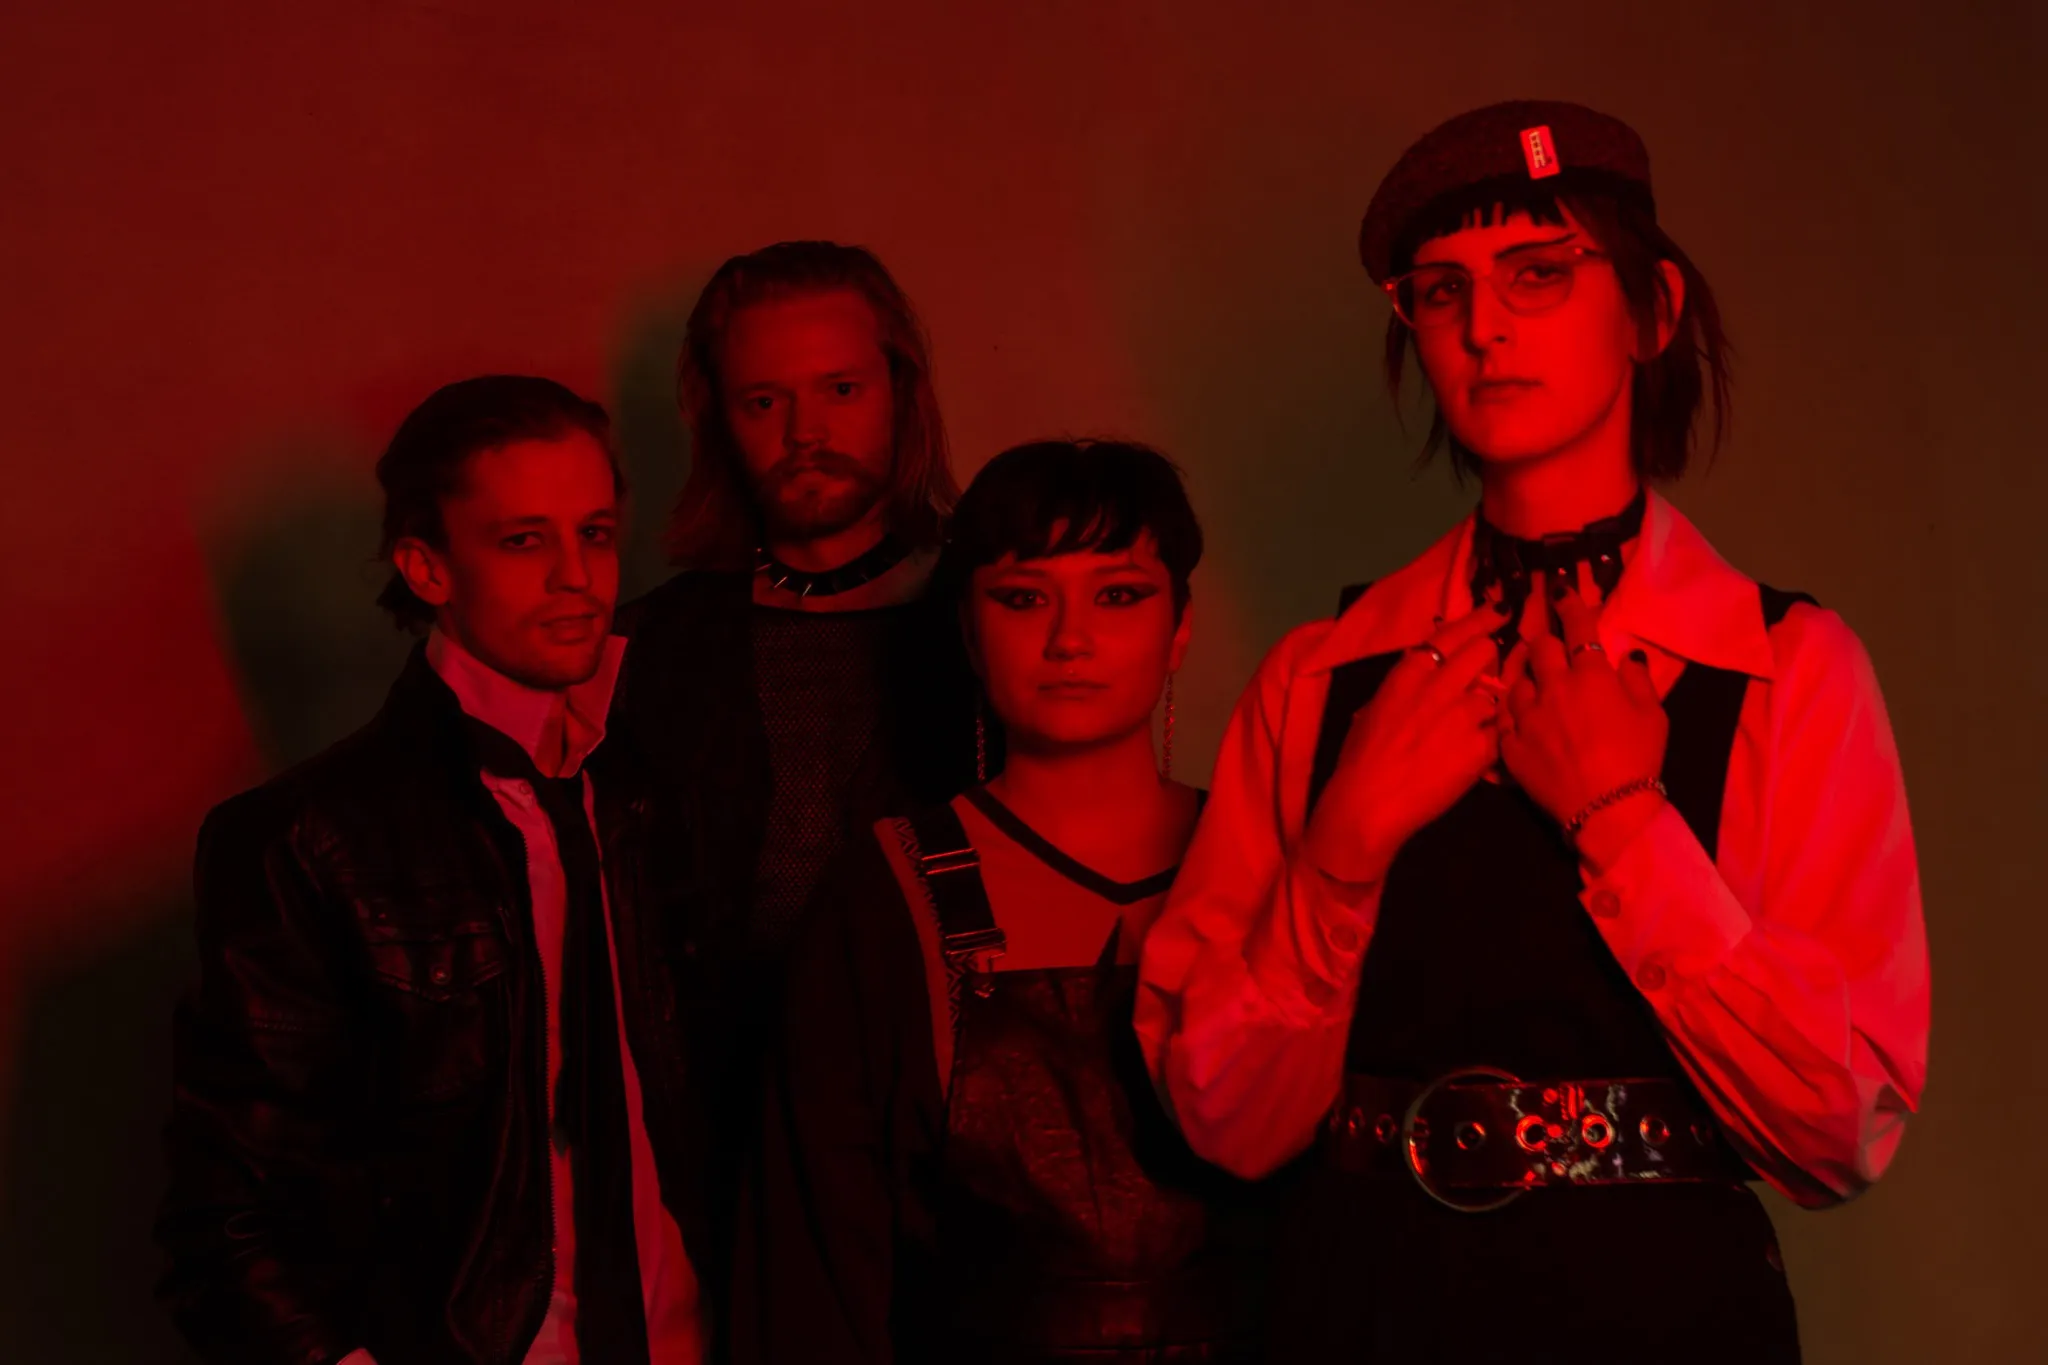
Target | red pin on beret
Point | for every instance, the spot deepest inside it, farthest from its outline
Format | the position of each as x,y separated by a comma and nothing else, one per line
1519,141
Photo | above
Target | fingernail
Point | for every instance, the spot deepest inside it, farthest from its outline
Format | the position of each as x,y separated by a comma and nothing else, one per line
1636,656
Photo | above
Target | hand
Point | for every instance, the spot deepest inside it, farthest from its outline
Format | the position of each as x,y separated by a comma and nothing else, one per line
1424,739
1576,727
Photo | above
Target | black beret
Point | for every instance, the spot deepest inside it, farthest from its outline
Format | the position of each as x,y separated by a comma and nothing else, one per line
1519,141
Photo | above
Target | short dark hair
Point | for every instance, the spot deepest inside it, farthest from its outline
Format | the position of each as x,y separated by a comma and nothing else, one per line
714,524
432,448
1059,497
1667,392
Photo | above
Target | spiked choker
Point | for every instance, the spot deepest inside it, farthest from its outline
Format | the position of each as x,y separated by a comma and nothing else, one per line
886,554
1514,565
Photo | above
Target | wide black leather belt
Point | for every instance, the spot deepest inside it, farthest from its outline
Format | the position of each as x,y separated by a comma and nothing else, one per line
1477,1138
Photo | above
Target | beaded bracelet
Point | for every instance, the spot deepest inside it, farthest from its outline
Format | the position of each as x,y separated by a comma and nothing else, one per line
1608,798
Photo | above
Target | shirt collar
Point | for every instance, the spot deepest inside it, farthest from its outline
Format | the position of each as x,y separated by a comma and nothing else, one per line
1676,595
526,714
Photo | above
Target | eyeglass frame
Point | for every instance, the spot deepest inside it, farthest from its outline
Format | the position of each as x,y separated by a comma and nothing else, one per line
1580,254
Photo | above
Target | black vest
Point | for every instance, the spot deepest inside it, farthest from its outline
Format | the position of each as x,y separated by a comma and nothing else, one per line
1483,955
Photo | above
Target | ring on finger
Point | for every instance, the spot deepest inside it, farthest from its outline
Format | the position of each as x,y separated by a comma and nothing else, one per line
1436,656
1584,647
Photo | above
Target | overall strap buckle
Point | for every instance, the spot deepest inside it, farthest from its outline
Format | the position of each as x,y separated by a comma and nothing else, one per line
968,936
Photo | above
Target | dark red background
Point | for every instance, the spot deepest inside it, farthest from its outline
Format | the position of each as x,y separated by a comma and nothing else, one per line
238,241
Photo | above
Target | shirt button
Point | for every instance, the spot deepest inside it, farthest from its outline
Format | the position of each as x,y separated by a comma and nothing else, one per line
439,975
1650,976
1605,904
1344,938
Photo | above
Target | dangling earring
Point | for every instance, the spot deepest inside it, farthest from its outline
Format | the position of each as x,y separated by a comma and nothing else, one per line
980,744
1166,746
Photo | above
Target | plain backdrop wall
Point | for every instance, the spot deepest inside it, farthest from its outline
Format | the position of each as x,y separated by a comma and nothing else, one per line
237,242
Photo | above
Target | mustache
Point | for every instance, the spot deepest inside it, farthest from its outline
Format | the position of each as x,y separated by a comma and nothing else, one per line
833,462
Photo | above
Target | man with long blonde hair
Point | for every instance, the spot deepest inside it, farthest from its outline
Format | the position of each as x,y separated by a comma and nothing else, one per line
790,683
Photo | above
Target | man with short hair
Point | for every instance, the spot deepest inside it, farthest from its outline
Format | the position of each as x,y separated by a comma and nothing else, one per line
429,1093
791,685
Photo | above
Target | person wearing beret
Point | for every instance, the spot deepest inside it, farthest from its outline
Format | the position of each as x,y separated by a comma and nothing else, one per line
1563,883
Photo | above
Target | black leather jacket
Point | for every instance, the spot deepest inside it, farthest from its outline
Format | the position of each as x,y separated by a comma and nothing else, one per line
359,1139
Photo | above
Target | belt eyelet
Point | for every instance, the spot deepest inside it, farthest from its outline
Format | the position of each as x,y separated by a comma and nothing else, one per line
1415,1140
1654,1131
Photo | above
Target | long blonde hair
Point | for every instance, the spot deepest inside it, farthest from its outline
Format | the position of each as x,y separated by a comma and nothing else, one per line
714,524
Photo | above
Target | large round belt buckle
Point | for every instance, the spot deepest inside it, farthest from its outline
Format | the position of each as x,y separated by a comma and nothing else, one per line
1415,1132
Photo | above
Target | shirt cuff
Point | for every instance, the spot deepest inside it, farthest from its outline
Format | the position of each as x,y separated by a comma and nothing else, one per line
1663,908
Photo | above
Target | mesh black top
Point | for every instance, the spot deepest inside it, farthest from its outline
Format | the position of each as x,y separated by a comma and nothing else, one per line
818,675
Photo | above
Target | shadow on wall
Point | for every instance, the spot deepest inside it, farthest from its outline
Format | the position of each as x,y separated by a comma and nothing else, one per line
296,584
296,579
654,446
83,1173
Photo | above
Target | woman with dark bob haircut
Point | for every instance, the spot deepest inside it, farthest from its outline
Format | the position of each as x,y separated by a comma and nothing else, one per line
1562,884
965,1160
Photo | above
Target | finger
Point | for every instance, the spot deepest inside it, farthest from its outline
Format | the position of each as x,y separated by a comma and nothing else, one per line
1481,707
1479,623
1636,680
1547,663
1516,666
1463,668
1513,748
1409,675
1536,616
1423,662
1514,673
1521,699
1580,623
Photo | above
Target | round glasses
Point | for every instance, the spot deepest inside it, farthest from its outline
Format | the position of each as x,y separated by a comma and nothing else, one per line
1528,281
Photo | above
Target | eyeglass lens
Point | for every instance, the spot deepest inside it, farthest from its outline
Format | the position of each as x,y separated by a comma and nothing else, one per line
1439,295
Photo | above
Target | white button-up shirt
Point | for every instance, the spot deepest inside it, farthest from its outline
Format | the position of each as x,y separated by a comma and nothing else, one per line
1789,972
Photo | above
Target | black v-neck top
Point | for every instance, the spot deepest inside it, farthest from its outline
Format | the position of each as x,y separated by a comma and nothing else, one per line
1012,825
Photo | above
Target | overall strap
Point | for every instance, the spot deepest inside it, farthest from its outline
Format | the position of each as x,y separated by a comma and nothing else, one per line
950,868
1705,706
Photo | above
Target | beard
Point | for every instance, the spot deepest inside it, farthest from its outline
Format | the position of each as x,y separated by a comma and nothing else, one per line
815,494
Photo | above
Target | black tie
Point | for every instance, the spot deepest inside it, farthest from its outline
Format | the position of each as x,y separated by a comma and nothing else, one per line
590,1096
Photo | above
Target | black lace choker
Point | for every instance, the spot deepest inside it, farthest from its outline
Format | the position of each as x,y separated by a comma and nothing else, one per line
885,555
1513,564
